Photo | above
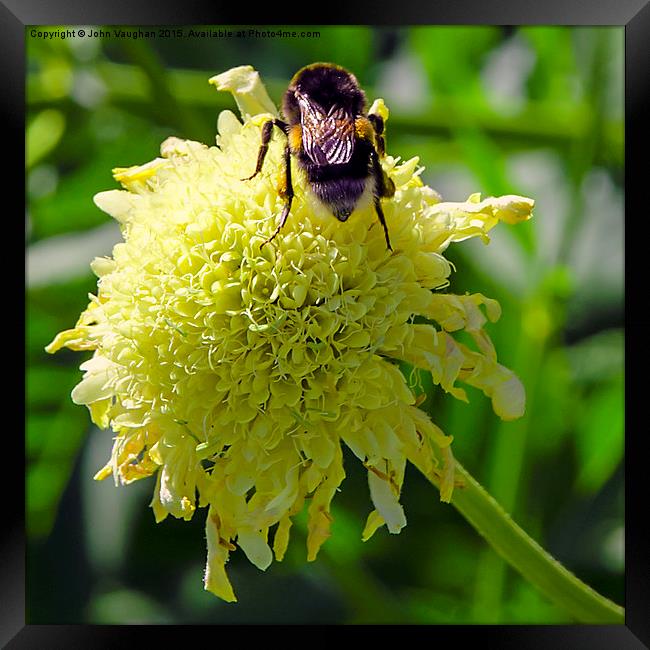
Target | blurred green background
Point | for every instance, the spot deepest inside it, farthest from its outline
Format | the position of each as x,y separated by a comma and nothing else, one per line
536,111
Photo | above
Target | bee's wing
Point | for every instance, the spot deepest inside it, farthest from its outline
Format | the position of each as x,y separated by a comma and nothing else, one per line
327,138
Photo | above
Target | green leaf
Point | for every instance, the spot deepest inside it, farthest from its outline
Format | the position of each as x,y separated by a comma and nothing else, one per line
527,605
554,404
35,429
127,606
554,75
600,438
55,441
43,134
71,207
598,358
47,383
452,57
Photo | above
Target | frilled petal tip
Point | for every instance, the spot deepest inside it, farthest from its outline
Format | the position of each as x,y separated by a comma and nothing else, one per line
509,399
103,473
373,523
174,147
136,176
75,339
216,582
247,88
94,386
254,545
448,475
215,579
281,539
387,503
475,217
116,203
103,266
512,208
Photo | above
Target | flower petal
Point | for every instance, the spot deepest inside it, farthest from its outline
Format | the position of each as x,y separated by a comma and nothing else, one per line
386,502
215,579
119,204
253,543
281,539
248,90
96,382
373,523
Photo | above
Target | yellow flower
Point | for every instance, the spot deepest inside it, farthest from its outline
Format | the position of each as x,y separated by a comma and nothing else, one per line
235,372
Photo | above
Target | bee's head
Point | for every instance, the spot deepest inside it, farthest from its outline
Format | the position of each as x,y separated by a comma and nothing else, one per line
325,84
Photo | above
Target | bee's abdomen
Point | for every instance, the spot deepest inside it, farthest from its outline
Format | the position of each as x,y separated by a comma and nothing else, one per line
341,195
340,187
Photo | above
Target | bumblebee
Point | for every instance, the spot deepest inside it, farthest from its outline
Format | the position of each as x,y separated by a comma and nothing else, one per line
334,141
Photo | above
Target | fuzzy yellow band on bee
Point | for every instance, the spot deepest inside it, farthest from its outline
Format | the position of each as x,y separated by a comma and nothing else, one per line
295,138
363,129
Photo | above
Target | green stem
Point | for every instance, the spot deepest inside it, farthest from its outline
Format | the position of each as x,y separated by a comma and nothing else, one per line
525,555
509,451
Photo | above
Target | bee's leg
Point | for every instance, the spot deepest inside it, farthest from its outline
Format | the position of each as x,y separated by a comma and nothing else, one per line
378,124
264,147
288,194
380,214
384,187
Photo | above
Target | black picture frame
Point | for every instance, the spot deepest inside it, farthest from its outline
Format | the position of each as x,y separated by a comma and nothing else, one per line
634,15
